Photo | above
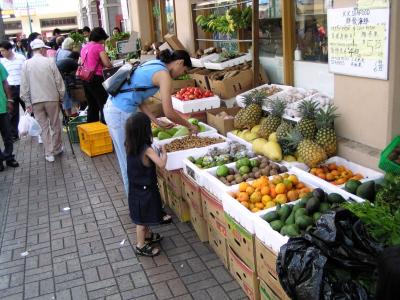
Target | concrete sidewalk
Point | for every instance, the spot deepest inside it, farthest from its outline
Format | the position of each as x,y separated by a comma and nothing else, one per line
77,253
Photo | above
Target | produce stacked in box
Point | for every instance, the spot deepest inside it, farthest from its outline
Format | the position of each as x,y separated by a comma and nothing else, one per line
248,170
294,220
335,174
189,142
217,157
192,93
177,131
266,192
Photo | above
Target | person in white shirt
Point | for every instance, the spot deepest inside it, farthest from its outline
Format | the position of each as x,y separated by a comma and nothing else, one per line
13,63
42,88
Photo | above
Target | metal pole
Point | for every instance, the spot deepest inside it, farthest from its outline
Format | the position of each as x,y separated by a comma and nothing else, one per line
2,30
29,16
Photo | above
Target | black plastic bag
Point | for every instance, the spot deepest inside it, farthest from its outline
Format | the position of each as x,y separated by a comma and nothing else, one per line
337,261
389,274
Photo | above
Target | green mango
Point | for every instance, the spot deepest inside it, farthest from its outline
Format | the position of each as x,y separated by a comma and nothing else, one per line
163,135
193,121
155,131
181,132
171,131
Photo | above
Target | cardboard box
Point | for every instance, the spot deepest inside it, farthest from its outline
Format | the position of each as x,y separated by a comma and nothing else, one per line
214,210
162,187
199,224
241,241
266,293
245,276
200,76
233,86
179,206
177,85
174,181
219,243
155,106
173,41
266,269
191,193
222,125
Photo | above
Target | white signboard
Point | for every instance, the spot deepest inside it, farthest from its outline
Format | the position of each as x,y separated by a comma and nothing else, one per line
358,41
373,3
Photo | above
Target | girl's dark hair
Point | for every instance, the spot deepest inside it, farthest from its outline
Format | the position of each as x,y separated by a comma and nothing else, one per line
33,36
137,133
167,56
98,34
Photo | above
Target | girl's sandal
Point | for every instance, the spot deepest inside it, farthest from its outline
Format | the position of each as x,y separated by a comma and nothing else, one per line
167,219
147,250
154,238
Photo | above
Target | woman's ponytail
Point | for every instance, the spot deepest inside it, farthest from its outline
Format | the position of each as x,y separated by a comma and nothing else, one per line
167,56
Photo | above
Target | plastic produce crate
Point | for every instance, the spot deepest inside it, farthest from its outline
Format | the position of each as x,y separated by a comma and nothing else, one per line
72,127
196,104
94,139
385,163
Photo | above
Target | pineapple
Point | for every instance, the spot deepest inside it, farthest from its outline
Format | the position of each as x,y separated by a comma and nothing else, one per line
272,122
326,135
308,151
250,116
307,126
283,130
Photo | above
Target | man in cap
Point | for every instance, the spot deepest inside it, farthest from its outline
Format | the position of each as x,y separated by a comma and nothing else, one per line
42,89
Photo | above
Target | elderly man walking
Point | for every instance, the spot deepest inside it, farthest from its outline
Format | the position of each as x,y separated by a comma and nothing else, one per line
42,89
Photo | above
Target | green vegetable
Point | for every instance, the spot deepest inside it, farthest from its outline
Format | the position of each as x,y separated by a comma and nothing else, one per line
290,219
299,212
381,222
367,190
303,221
335,198
155,131
77,37
244,170
352,185
271,216
254,163
181,132
312,205
193,121
324,207
191,159
171,131
163,136
292,230
222,171
277,225
243,162
202,128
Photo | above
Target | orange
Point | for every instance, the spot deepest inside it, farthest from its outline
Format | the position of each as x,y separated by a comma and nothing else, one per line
277,179
281,199
357,176
264,180
340,181
335,173
260,205
265,190
288,184
243,196
292,195
251,206
321,175
330,177
293,178
265,199
341,169
306,190
272,192
285,175
255,197
243,186
313,171
255,209
269,204
280,188
250,190
245,204
332,167
300,185
256,184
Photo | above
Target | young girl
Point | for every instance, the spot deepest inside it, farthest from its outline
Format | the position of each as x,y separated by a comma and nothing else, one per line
144,198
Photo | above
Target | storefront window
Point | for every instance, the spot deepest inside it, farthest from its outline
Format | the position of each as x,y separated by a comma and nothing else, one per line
271,39
169,11
311,30
156,11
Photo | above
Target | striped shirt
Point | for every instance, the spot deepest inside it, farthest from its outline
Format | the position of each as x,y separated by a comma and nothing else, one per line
13,67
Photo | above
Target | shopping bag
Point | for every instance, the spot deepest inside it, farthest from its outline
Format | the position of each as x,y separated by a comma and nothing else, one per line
34,127
23,125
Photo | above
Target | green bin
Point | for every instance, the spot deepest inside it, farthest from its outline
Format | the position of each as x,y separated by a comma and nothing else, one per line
73,130
385,163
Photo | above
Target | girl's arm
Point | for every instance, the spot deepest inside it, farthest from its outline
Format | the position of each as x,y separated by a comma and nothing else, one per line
161,160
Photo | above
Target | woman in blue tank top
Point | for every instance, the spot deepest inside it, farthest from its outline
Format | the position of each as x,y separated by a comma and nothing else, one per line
153,76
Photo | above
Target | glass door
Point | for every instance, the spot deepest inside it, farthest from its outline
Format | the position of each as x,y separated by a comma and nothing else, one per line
271,39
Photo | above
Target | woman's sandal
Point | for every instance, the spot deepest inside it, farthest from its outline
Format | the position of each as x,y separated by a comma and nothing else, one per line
154,238
147,250
167,219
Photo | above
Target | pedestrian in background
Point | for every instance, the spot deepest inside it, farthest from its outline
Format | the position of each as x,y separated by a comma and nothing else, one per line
86,33
6,105
94,57
19,48
42,88
13,63
144,198
31,38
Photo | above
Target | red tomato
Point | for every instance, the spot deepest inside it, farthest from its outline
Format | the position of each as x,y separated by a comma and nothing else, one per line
191,97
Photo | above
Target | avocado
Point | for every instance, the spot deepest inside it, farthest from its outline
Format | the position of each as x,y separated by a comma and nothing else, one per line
303,202
352,185
292,230
316,216
276,225
324,207
366,190
284,212
163,135
335,198
312,204
284,230
304,221
297,206
299,212
319,194
271,216
290,219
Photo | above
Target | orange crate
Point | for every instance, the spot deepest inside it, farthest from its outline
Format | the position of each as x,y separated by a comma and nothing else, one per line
94,139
